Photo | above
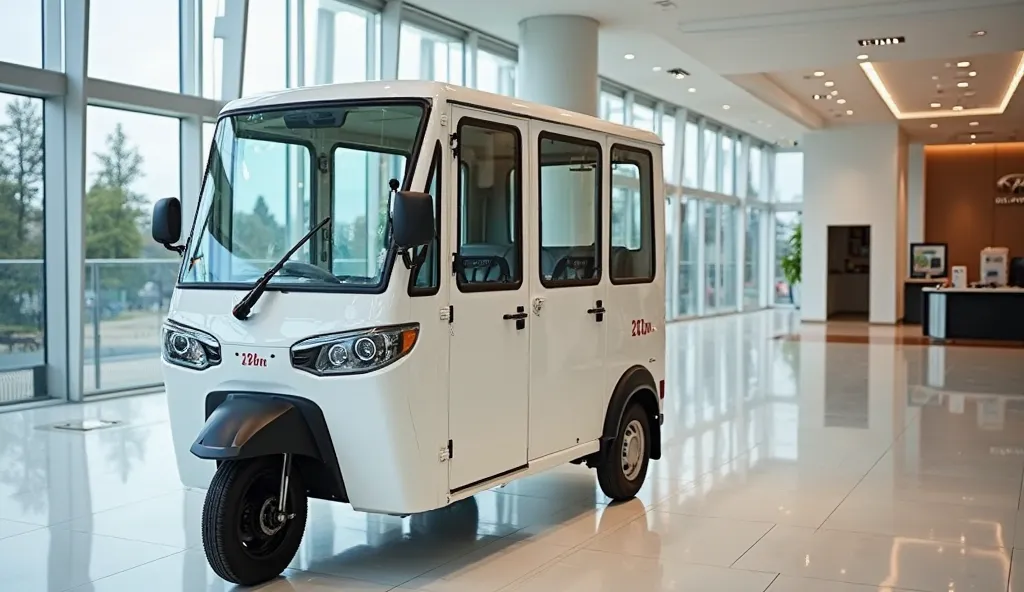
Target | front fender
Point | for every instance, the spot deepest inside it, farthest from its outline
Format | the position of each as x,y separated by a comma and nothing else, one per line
250,425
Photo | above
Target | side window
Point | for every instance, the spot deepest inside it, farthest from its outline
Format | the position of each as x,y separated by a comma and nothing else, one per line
489,256
570,211
427,280
632,224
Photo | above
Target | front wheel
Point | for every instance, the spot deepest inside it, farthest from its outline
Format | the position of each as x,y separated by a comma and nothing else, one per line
624,467
245,538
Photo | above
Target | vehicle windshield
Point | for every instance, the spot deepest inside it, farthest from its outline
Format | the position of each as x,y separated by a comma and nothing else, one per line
273,175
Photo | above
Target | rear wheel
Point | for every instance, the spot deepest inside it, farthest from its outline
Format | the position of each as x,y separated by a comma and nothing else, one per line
248,539
624,467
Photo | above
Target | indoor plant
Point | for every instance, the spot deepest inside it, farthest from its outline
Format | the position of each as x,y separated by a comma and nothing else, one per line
790,263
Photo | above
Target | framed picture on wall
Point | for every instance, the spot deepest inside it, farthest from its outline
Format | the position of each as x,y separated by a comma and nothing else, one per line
928,260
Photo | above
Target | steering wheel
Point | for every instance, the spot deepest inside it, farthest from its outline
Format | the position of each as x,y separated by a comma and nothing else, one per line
478,268
308,271
572,267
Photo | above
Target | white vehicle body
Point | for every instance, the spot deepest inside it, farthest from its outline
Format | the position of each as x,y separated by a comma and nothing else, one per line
480,399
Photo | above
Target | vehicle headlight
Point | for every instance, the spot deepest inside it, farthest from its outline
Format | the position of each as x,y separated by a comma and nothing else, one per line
188,347
354,352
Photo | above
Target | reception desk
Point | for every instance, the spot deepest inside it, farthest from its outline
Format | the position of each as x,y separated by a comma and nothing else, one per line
974,313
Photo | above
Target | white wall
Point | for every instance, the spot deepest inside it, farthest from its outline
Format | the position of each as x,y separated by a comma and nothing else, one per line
851,178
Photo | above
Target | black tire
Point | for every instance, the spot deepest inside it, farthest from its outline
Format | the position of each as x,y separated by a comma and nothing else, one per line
237,546
611,472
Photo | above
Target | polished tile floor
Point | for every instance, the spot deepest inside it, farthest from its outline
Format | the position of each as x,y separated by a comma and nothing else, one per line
790,465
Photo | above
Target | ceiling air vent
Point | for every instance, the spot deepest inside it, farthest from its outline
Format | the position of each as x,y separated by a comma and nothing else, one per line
678,73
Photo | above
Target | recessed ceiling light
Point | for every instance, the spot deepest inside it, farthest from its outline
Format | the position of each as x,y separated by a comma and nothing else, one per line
973,124
972,73
817,97
656,68
935,77
963,64
835,92
978,34
957,108
841,101
934,125
974,137
862,56
962,84
819,74
849,111
829,83
629,56
693,90
936,105
726,107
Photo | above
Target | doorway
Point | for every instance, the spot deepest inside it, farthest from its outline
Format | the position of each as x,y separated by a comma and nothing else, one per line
849,273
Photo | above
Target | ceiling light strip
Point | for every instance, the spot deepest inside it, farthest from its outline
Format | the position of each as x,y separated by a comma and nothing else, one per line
876,81
1014,83
883,92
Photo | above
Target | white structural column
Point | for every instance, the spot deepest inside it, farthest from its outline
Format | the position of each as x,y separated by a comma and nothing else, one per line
558,62
915,196
390,35
855,177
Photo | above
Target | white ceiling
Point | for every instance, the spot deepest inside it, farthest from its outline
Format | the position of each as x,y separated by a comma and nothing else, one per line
754,56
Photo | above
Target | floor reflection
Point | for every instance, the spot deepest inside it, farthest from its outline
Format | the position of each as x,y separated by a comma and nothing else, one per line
796,457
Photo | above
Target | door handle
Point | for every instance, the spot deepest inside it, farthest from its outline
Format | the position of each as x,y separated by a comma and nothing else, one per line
519,316
598,311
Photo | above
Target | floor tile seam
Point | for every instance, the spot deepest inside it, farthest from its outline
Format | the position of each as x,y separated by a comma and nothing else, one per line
1020,493
869,587
888,449
497,539
715,517
752,546
771,583
911,538
121,538
1009,572
91,581
696,563
571,550
335,575
23,522
943,505
167,493
31,530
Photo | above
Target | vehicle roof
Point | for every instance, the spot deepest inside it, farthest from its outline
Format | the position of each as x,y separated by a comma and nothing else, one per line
438,91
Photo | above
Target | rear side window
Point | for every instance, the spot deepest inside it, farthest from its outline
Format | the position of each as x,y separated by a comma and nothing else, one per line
632,210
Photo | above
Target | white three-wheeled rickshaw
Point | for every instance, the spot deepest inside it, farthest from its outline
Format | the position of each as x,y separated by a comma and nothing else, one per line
400,294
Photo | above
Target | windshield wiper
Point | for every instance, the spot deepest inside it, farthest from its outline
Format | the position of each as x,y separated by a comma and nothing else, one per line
244,307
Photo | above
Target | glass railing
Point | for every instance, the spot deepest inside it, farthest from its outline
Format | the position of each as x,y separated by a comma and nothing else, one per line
126,302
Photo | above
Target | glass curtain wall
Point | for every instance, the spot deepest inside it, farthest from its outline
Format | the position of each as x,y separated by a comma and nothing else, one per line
136,146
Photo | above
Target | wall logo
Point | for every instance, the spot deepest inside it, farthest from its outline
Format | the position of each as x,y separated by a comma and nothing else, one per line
1010,190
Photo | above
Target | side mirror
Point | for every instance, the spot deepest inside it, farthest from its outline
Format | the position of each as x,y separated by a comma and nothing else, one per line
167,222
412,219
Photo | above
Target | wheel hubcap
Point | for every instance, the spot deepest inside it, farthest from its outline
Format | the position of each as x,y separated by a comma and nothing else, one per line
270,523
260,528
632,450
